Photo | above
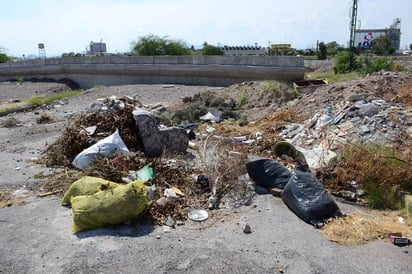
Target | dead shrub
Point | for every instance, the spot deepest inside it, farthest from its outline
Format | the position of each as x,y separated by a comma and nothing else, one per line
380,171
223,162
61,181
286,115
405,93
75,139
11,122
45,119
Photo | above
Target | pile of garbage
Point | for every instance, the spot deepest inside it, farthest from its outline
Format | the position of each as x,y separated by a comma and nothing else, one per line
122,142
212,160
155,176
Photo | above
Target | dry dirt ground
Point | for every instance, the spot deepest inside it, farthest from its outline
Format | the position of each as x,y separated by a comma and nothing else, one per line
36,237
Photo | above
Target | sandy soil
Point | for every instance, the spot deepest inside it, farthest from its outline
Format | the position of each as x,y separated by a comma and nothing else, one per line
36,237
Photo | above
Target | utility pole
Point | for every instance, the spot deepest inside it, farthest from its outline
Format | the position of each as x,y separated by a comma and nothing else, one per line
352,33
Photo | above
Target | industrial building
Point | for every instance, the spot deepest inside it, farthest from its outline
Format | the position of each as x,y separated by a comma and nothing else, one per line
98,48
244,50
364,37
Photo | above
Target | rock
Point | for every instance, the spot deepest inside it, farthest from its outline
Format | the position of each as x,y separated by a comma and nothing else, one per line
148,132
357,97
155,140
247,229
174,139
368,109
277,192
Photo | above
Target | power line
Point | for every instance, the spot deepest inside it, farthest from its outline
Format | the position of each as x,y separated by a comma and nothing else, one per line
340,17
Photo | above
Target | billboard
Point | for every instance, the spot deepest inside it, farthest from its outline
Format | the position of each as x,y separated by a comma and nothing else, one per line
364,38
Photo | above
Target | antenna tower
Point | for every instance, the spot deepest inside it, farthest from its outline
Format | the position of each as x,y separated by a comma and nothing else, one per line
352,33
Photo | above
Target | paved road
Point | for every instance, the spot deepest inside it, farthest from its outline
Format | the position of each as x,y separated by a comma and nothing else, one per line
37,238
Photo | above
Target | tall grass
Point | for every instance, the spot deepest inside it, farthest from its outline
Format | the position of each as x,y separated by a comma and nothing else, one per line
41,100
332,77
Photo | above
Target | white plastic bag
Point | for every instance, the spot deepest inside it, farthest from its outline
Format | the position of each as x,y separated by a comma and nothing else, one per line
112,144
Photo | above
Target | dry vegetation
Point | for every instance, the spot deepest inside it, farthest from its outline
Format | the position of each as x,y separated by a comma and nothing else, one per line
363,226
382,172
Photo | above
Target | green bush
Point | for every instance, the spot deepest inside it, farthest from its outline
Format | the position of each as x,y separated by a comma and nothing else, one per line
211,50
153,45
243,101
271,86
377,64
4,58
342,62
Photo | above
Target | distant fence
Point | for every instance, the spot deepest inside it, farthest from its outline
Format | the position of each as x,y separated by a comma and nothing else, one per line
89,71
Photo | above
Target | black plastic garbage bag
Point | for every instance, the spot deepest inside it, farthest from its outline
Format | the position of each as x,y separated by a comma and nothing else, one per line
308,198
268,173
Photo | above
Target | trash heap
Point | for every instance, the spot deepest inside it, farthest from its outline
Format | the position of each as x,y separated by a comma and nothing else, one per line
122,142
209,161
367,112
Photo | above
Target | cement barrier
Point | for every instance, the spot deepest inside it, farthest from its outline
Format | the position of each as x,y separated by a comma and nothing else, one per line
89,71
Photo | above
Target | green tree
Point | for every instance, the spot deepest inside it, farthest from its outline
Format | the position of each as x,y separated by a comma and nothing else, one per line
332,48
410,46
322,52
153,45
309,52
212,50
68,54
177,47
4,58
342,62
382,45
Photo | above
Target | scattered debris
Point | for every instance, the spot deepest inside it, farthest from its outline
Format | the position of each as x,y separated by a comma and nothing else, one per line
287,128
247,229
277,192
211,116
198,215
399,240
49,193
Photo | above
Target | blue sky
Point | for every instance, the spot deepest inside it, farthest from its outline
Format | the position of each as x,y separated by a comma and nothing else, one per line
70,25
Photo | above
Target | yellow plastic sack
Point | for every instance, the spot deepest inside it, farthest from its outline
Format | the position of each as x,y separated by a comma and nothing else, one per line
86,185
111,206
